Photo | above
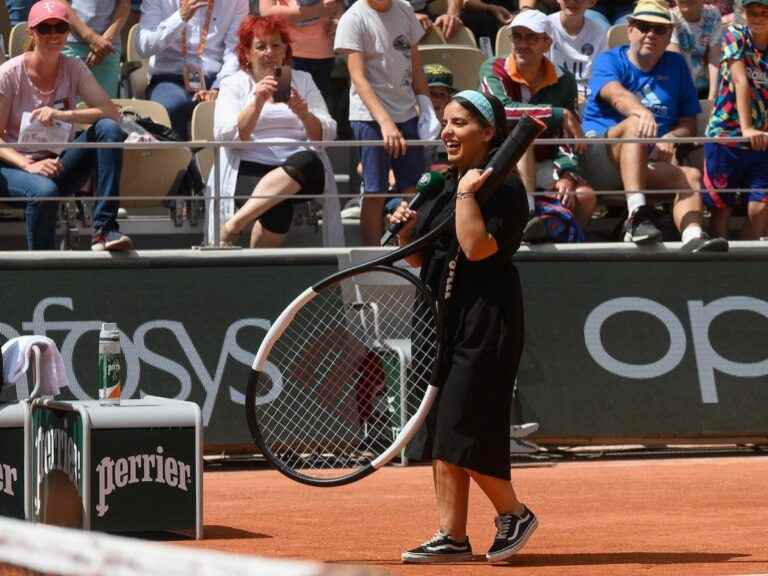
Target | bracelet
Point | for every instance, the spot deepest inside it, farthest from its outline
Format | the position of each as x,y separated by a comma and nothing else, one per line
462,195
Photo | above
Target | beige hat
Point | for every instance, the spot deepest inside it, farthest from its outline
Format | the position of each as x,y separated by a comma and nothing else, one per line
656,11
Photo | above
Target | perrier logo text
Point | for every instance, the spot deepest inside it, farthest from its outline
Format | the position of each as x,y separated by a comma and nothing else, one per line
120,472
8,478
55,450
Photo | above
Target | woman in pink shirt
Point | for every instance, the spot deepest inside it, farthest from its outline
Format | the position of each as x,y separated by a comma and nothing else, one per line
311,26
39,90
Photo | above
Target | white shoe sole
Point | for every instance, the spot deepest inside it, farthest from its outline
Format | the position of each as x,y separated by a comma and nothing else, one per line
407,558
123,245
507,553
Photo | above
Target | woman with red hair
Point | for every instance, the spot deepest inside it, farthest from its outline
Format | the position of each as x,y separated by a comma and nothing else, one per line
249,109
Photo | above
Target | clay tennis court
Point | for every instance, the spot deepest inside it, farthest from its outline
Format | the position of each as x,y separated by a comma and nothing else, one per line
687,516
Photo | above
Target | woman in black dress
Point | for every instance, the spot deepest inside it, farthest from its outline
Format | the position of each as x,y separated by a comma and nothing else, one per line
467,432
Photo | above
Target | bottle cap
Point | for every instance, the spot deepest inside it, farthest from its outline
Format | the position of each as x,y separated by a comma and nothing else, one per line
108,327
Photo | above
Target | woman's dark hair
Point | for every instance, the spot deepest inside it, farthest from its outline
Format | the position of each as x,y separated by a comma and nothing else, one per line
499,117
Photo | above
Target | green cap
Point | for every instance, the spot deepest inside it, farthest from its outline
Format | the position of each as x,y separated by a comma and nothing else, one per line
746,3
439,75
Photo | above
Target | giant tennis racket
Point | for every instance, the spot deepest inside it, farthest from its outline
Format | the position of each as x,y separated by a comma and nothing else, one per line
344,377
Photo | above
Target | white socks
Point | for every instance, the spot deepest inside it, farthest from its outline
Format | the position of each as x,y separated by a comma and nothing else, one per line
634,201
691,231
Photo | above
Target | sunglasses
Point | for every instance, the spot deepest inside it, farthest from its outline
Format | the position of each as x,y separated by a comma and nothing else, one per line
647,27
58,28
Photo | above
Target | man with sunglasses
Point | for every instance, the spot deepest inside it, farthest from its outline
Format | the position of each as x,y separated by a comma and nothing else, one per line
643,91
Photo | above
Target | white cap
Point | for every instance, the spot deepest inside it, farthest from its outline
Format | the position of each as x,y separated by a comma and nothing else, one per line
534,20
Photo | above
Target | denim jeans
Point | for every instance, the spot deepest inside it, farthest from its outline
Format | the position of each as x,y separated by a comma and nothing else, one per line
168,89
18,10
77,165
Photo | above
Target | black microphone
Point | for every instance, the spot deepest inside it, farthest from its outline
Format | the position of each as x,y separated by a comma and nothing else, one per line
429,185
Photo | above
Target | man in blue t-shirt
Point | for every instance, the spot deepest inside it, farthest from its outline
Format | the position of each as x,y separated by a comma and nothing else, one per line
642,91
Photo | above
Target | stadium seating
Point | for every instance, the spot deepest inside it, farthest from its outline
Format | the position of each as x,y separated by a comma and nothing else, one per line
503,42
464,62
617,35
463,37
150,172
135,68
202,130
432,36
18,39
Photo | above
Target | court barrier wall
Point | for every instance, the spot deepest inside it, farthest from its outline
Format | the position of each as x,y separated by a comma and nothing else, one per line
622,343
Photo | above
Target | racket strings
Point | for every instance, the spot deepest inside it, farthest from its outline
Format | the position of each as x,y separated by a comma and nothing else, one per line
338,369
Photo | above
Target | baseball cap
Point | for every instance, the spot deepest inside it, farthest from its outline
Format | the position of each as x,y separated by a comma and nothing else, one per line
746,3
656,11
47,10
534,20
439,75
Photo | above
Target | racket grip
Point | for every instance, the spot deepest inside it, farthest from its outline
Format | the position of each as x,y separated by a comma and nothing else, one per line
512,149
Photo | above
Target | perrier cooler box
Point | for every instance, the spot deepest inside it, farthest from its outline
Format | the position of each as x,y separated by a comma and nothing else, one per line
132,467
15,461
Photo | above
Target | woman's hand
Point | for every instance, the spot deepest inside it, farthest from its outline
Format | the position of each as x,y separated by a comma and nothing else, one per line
265,89
49,167
406,215
472,180
297,104
45,115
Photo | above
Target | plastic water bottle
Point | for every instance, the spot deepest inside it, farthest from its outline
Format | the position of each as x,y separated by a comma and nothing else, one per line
110,365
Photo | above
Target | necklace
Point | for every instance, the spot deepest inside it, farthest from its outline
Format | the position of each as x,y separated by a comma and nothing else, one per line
35,87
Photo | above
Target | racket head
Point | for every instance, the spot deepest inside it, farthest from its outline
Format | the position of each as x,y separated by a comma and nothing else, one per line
341,373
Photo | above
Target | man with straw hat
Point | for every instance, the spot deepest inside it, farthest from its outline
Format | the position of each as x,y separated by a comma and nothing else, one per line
642,91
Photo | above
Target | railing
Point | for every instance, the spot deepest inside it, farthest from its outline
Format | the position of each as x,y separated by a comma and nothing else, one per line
213,196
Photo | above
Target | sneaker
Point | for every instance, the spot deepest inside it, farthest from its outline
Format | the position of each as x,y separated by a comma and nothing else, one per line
352,209
705,244
535,231
112,241
512,532
439,549
640,228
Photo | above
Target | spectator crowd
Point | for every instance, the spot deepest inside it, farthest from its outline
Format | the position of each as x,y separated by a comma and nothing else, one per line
624,70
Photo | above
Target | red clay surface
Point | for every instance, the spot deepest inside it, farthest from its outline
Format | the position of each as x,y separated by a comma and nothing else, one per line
703,516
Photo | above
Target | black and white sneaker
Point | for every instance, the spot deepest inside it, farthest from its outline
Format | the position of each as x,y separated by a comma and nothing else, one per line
512,532
440,548
640,227
705,244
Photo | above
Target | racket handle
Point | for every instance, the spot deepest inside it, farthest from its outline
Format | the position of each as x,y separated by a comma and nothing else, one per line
511,150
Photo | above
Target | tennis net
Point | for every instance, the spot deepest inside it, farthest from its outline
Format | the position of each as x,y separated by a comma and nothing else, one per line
35,550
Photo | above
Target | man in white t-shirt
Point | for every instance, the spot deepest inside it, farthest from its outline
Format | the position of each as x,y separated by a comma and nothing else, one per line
388,93
576,41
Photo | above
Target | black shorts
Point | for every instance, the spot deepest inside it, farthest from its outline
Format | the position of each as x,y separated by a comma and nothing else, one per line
305,167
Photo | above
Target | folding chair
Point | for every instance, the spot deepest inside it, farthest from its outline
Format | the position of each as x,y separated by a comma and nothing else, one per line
617,35
18,40
464,62
503,42
462,37
152,172
135,70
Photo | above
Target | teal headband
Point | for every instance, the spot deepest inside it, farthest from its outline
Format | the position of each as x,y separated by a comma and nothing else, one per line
480,102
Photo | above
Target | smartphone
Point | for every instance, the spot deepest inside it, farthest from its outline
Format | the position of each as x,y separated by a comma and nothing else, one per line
283,78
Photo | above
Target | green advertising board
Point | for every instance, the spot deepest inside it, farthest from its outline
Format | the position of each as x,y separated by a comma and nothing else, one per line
12,478
620,342
143,479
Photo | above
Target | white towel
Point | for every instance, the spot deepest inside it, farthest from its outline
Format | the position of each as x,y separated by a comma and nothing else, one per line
17,353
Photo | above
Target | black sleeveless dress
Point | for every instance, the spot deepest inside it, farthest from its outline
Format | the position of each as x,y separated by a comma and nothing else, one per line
482,338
